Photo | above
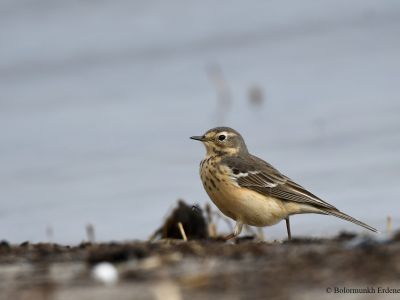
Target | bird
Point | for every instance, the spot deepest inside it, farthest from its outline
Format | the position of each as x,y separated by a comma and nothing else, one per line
251,191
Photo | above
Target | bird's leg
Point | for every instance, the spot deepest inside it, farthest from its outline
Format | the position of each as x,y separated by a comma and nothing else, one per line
236,231
288,229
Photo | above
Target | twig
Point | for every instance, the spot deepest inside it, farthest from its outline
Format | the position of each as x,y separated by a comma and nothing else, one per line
90,233
260,234
389,224
156,233
211,226
49,233
222,90
223,218
182,230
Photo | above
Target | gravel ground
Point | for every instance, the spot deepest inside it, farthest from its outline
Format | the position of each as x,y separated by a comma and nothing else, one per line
206,269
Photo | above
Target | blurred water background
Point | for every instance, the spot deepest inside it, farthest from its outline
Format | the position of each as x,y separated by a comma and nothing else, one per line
98,100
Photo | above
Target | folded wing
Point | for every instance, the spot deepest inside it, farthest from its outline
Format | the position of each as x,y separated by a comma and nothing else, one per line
256,174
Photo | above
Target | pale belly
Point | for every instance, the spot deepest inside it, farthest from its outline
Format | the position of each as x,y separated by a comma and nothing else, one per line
245,205
248,206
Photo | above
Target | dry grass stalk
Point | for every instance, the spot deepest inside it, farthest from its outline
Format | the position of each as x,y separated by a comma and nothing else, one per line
182,230
389,224
90,233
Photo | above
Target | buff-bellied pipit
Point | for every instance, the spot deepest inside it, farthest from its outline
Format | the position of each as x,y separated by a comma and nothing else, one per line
250,190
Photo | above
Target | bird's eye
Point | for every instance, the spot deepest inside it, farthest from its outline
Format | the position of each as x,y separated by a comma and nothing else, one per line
222,137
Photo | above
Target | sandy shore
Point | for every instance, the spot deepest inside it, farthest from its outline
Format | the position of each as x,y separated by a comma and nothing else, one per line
173,269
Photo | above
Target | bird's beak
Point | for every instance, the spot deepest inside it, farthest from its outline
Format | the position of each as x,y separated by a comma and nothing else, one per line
198,138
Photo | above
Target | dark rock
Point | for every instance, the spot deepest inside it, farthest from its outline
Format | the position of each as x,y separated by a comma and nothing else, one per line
193,222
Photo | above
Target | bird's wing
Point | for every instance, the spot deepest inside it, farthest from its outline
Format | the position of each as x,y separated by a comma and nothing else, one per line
258,175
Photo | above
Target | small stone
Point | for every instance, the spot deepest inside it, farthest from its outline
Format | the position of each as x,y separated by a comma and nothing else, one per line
105,273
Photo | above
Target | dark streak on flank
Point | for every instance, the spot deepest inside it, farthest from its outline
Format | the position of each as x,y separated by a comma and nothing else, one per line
213,183
202,163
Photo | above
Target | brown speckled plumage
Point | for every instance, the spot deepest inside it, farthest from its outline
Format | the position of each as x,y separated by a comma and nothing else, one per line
251,191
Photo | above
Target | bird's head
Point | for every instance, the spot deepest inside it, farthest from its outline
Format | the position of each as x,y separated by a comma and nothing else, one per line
222,141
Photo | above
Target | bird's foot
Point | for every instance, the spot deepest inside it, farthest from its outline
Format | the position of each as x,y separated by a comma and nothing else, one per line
229,237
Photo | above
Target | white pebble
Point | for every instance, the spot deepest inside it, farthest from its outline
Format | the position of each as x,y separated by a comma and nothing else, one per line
105,273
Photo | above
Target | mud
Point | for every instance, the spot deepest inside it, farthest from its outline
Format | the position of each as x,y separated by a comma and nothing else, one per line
203,269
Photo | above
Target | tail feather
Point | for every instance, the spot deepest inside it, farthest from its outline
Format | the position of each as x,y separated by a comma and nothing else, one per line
343,216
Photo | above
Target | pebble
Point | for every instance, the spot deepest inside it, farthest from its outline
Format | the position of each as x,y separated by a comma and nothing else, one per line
105,273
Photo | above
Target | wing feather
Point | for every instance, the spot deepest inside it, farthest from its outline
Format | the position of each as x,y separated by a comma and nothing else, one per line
256,174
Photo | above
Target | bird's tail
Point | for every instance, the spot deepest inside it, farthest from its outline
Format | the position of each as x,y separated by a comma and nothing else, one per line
343,216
